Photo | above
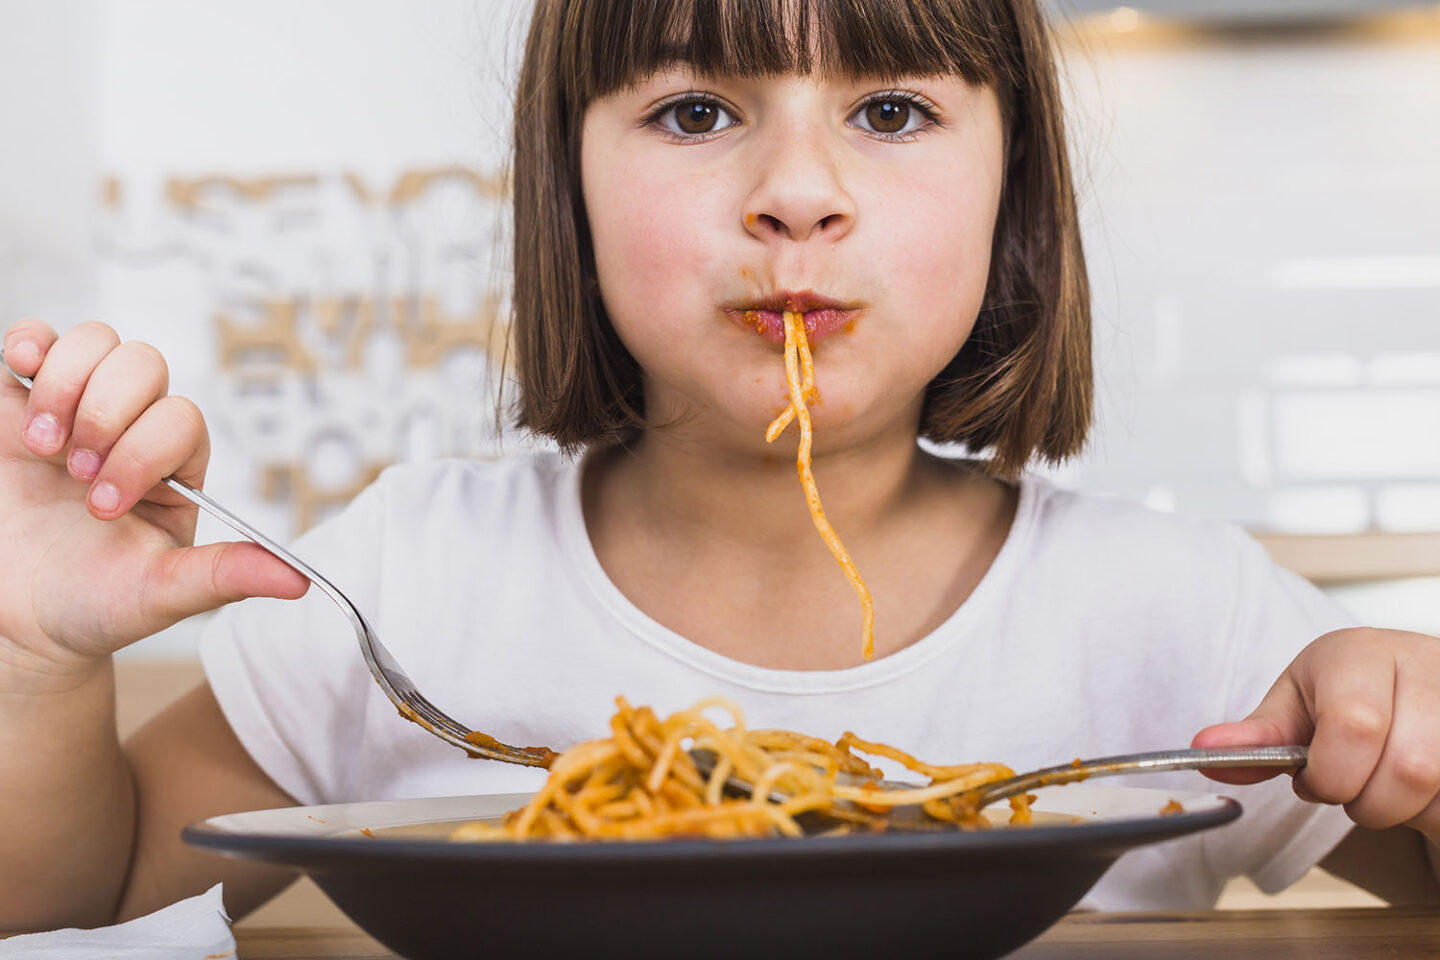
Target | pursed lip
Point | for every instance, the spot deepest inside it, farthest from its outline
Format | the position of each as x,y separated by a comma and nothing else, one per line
765,315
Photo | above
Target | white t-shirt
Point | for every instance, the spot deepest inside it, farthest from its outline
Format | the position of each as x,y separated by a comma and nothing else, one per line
1101,628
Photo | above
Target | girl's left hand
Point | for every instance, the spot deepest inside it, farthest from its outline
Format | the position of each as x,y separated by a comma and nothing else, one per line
1367,702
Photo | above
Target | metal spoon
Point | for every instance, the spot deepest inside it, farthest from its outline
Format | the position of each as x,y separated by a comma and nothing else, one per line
394,681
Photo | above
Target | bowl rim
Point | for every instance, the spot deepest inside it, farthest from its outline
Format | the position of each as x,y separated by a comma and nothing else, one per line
244,836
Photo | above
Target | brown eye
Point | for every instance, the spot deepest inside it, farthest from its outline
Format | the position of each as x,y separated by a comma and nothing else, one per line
693,118
696,116
888,116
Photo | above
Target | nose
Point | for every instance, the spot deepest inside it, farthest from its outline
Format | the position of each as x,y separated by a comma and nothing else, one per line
799,193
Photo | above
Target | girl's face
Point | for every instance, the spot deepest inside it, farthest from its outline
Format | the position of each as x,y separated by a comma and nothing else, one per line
715,204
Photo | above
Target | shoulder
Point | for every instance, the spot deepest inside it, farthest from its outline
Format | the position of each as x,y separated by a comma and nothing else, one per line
1162,567
1110,533
434,505
521,470
452,489
1172,580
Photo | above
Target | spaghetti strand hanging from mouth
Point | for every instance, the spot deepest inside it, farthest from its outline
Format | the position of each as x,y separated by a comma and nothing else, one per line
800,378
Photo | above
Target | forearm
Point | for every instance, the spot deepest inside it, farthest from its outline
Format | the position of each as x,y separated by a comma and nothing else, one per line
67,800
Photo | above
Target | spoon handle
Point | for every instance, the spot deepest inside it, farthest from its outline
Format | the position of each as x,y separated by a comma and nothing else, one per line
1288,756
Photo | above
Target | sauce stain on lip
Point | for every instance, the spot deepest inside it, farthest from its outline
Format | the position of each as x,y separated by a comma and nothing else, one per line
819,323
756,320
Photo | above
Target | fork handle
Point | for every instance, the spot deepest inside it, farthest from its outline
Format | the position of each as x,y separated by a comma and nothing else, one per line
1154,762
201,500
229,519
204,502
383,668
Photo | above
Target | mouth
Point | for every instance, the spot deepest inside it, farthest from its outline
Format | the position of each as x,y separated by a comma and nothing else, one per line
823,315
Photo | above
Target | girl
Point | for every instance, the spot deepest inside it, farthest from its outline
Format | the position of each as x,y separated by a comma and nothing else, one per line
684,171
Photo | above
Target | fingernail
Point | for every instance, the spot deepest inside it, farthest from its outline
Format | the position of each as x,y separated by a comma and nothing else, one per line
104,497
84,464
43,431
26,353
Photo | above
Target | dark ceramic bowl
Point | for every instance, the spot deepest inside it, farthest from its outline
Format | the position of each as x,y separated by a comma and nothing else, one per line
963,894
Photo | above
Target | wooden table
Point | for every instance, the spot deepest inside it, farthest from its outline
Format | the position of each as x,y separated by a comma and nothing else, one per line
1358,934
1352,934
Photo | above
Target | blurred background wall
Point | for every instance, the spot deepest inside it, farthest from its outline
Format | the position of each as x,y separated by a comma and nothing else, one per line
301,204
50,158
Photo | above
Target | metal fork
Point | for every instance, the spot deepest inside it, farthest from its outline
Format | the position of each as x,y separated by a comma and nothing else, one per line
988,793
1191,759
401,690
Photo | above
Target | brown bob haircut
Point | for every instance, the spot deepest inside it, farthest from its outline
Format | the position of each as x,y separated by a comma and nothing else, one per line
1021,386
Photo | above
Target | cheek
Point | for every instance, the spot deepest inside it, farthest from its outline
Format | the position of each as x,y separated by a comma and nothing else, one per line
956,227
648,242
936,265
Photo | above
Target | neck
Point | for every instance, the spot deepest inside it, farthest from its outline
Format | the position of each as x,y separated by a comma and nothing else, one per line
715,495
717,543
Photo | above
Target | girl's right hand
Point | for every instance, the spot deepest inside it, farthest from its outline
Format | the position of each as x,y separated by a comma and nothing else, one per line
97,552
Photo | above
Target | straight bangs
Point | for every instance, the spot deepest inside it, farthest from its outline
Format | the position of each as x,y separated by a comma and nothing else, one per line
618,44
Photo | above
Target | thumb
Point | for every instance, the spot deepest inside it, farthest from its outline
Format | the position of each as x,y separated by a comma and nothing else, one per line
189,580
1281,719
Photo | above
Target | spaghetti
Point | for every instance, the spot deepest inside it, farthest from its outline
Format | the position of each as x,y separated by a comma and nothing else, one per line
642,783
800,378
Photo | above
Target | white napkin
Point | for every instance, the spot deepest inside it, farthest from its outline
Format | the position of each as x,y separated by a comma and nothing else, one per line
193,929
